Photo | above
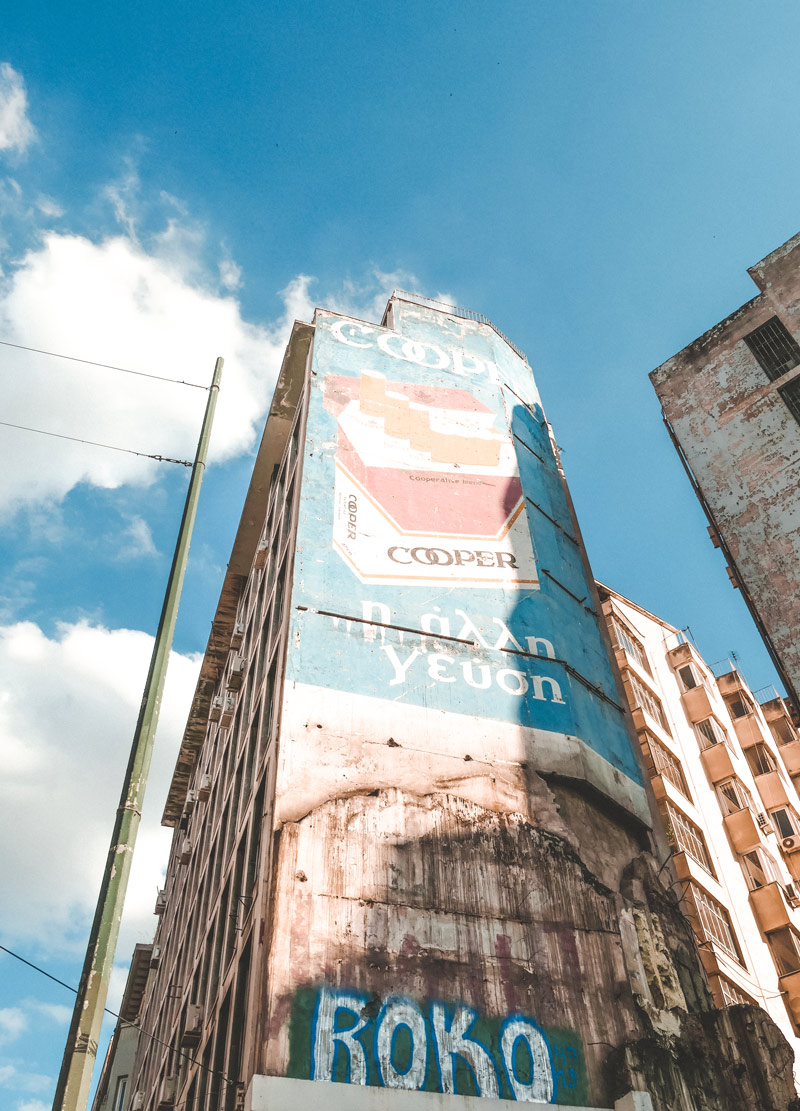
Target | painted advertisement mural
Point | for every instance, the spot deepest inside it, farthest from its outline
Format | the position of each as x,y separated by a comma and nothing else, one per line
349,1037
436,565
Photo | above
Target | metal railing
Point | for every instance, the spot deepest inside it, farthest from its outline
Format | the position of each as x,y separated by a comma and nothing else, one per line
463,314
766,694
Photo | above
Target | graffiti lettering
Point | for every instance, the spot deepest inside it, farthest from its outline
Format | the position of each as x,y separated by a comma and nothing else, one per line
431,1047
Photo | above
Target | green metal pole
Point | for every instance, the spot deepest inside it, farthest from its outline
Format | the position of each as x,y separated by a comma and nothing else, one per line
74,1081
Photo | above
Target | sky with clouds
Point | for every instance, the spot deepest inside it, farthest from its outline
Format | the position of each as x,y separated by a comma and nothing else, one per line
179,184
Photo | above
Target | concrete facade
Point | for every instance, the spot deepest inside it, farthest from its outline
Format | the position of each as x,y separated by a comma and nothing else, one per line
731,401
724,770
413,840
115,1087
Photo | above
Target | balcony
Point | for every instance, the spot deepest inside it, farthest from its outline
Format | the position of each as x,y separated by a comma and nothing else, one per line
742,830
696,704
680,655
772,790
790,754
790,985
770,908
730,682
748,730
717,762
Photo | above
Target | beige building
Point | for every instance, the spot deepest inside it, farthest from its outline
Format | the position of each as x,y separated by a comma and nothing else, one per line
114,1089
723,762
731,401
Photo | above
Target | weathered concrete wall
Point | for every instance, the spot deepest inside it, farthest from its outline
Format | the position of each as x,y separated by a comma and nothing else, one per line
743,446
463,898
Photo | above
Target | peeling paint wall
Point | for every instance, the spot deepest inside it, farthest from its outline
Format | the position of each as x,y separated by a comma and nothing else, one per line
742,444
449,699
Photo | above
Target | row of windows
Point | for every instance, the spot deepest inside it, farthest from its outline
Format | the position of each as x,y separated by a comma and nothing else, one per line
777,352
225,837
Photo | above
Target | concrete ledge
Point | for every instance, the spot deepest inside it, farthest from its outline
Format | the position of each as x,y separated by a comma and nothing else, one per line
280,1093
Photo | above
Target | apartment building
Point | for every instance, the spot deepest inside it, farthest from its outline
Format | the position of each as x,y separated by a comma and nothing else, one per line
723,761
731,402
413,847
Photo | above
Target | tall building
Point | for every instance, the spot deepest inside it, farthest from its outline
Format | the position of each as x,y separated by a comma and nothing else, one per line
413,848
724,763
731,401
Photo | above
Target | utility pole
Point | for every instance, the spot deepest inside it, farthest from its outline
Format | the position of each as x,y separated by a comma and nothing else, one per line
74,1081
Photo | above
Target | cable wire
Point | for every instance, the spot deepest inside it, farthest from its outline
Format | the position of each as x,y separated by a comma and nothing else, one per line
94,443
105,366
133,1025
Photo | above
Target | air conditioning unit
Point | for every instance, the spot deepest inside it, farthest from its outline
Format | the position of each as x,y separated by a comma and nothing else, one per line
204,788
792,898
732,576
166,1097
191,799
260,557
216,708
155,956
186,851
790,843
236,671
227,709
193,1030
161,902
237,634
137,1103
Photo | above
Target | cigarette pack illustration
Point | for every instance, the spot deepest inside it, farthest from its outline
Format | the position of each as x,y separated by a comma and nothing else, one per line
426,487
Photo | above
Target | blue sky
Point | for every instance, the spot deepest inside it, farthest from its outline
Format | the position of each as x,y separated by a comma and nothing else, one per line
181,181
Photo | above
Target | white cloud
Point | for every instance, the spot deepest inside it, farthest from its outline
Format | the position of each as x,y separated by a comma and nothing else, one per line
230,275
54,1012
138,540
19,1081
68,706
115,302
13,1022
16,130
33,1105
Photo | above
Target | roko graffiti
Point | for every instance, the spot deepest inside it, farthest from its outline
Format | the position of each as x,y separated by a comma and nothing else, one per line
351,1037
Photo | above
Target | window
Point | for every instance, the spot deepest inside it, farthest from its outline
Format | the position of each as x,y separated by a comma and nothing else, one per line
739,705
790,395
716,923
710,732
759,869
731,994
774,347
733,796
760,759
647,701
785,822
785,950
630,644
119,1094
783,731
689,837
667,765
689,676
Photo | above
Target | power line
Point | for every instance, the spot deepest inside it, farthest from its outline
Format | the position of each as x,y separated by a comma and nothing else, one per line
105,366
94,443
147,1034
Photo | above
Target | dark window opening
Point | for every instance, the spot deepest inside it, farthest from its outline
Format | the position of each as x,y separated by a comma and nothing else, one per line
791,396
775,348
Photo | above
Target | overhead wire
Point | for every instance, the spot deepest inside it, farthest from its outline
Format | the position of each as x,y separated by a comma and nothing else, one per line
105,366
95,443
133,1025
